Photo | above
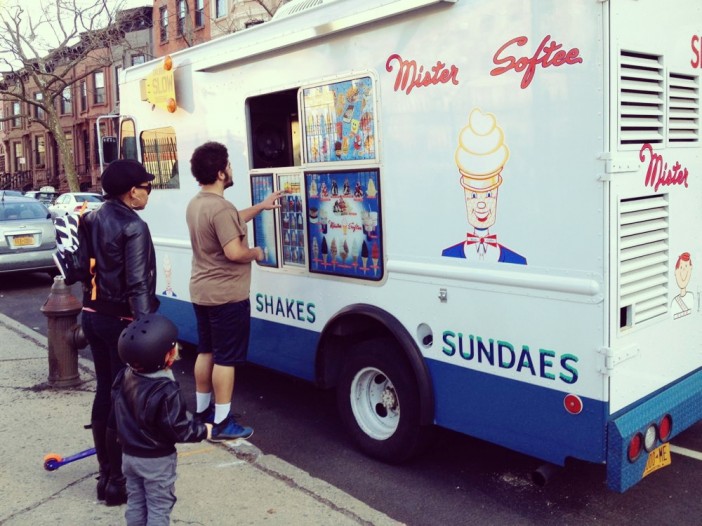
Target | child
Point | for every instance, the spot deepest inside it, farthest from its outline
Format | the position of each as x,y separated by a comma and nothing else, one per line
151,418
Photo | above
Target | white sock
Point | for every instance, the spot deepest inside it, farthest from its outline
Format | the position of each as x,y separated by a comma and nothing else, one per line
221,412
202,401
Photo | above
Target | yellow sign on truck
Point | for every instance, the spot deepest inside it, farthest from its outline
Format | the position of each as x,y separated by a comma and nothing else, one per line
158,87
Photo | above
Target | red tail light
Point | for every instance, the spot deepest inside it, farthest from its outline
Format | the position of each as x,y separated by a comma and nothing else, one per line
665,428
573,404
635,447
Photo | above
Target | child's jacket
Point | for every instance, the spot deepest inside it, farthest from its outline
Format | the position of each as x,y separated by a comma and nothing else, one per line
151,414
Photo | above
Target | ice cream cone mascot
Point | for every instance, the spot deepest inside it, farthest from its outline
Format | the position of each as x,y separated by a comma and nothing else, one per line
481,156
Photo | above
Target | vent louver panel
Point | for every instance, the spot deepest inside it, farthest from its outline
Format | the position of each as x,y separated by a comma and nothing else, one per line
643,257
683,108
298,6
641,98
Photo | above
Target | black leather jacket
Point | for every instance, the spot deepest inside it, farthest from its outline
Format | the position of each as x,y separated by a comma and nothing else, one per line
125,262
151,415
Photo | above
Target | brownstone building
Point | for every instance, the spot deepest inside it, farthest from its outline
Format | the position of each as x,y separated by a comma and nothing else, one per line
179,24
31,156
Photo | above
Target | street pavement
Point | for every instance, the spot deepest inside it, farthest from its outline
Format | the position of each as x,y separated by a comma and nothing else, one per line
233,483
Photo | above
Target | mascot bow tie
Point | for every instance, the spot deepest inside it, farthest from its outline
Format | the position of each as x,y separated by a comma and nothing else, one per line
481,242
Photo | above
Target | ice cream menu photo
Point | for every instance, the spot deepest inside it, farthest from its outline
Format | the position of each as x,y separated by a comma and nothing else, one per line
292,231
344,223
339,121
264,223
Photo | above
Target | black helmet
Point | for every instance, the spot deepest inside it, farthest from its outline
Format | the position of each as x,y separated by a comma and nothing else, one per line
144,343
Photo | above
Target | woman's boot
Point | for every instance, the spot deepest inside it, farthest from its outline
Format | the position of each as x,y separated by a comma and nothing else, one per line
99,428
116,489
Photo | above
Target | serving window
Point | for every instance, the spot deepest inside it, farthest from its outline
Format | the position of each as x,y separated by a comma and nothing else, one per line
329,221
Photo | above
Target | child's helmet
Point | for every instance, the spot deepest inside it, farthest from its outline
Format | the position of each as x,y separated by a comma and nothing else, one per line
144,343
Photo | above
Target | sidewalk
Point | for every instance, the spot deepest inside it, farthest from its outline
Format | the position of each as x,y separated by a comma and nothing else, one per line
225,484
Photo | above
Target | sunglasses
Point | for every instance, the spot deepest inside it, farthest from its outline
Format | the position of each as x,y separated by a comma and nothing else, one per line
146,187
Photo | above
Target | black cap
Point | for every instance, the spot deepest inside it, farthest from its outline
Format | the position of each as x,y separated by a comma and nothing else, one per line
121,175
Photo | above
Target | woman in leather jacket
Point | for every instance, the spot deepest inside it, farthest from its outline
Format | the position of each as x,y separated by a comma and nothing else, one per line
122,289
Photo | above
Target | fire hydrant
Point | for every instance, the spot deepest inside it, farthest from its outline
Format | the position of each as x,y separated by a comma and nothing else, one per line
65,334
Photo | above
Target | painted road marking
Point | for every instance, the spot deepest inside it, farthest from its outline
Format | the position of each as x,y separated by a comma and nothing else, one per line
235,463
195,451
687,452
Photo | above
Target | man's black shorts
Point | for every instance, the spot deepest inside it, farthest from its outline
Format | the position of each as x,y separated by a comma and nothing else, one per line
223,330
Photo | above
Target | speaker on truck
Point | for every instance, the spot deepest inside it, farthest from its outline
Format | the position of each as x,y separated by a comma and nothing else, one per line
271,143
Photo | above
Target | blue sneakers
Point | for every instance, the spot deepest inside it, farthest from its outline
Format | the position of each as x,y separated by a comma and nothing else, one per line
206,416
229,429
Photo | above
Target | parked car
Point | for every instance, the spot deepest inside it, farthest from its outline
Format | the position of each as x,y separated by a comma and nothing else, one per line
44,196
13,193
74,201
27,236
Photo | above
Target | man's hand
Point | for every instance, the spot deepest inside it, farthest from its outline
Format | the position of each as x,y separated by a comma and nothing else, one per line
270,202
260,256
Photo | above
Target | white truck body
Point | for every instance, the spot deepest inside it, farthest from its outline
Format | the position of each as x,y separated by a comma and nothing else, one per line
521,223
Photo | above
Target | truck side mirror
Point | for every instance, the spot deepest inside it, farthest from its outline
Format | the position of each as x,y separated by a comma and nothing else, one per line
109,149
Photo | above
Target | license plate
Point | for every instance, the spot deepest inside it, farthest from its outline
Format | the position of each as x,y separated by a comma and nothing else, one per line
23,241
657,459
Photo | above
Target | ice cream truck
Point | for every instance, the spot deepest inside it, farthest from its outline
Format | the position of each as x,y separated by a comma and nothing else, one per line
490,221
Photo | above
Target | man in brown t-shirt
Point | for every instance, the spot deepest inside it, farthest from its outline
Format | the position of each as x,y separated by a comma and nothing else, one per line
219,286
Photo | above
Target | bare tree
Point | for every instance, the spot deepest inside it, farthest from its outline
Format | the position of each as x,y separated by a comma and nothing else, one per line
45,52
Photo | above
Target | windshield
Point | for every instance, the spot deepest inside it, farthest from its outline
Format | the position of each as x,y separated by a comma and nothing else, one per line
16,211
89,198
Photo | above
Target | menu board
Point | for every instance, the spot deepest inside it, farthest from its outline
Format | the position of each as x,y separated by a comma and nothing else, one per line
344,223
292,228
339,121
264,223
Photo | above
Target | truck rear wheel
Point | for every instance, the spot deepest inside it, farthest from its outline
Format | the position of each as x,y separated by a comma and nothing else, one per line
378,402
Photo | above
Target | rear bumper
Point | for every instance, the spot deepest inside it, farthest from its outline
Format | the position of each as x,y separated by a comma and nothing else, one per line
25,261
682,401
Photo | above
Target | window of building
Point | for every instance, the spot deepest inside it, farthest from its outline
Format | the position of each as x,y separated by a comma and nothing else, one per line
65,101
118,72
163,23
83,96
96,142
19,160
220,8
39,151
138,59
39,112
86,149
16,111
99,87
199,13
182,12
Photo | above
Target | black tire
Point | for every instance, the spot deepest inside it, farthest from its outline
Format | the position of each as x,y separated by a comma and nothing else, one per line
378,401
